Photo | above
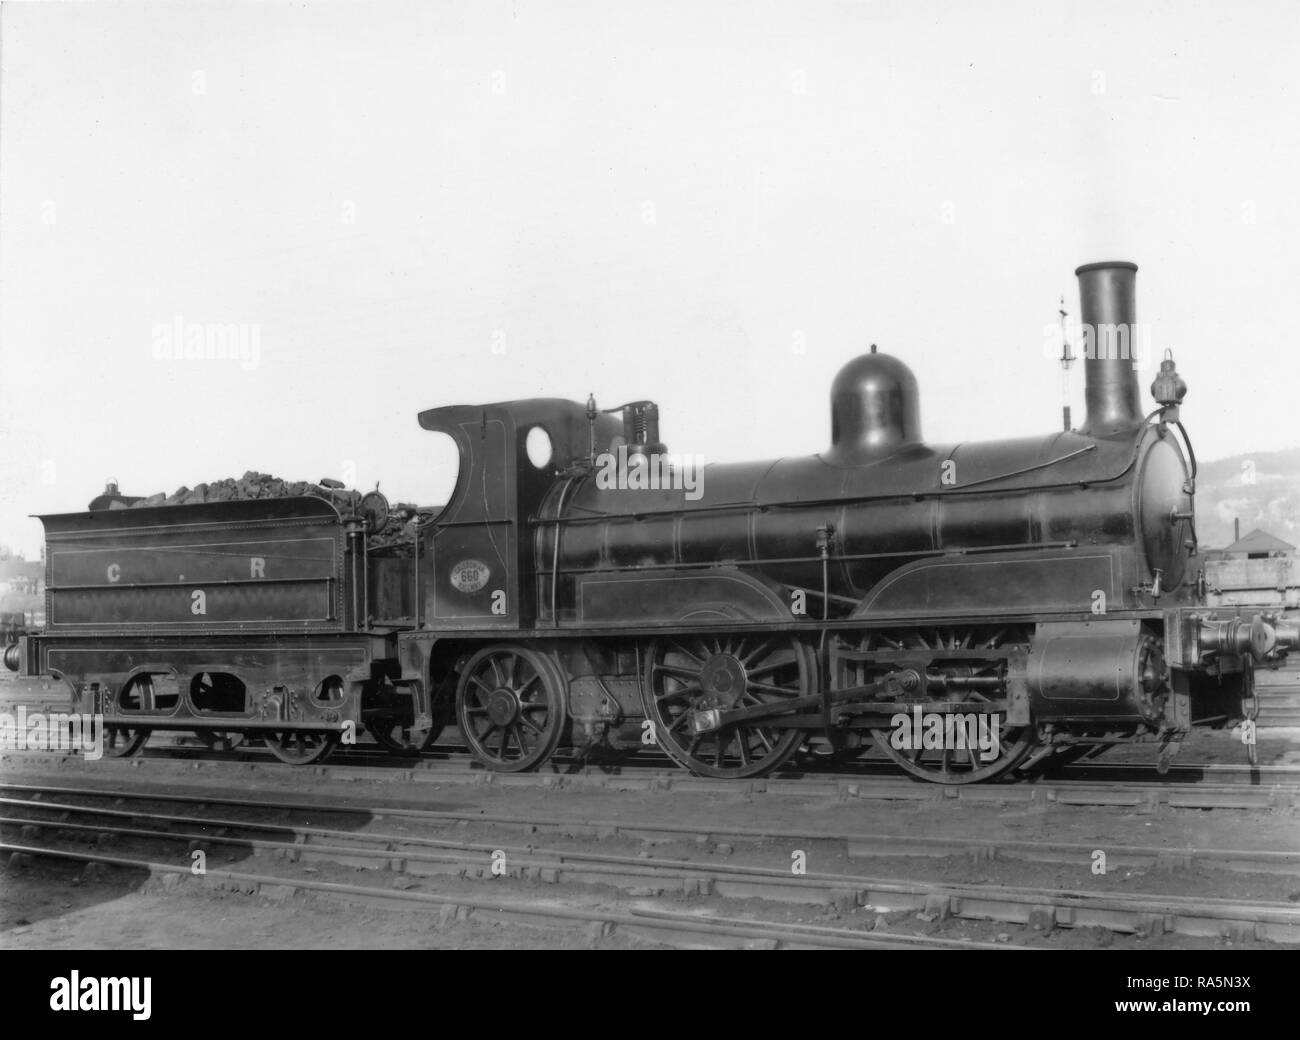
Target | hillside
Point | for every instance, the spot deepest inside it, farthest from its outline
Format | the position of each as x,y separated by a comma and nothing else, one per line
1262,488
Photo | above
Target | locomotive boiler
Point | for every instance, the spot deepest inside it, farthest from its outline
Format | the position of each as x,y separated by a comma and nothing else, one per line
966,608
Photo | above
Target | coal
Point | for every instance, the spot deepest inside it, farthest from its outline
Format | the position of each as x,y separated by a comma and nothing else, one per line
403,518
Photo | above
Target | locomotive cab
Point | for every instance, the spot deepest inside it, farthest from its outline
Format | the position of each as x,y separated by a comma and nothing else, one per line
479,551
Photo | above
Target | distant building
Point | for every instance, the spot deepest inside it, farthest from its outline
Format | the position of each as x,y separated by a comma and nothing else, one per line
1260,545
22,592
1257,570
22,577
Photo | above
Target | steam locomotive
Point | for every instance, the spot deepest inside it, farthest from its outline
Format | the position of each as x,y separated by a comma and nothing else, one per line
965,608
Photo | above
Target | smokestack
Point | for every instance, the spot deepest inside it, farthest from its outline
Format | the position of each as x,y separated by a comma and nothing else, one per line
1236,529
1109,316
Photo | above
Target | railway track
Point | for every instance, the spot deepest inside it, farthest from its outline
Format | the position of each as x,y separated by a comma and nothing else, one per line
857,845
184,742
1188,786
288,841
652,923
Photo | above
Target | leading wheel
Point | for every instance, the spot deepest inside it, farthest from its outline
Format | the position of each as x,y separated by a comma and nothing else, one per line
962,765
510,707
300,747
987,746
690,674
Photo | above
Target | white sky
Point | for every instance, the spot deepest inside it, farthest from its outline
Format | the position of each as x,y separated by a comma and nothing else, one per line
645,200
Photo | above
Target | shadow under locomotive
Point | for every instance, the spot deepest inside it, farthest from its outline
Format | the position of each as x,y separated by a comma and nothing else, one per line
1045,593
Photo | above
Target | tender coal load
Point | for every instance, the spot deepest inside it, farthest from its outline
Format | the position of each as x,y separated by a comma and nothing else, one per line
251,485
403,518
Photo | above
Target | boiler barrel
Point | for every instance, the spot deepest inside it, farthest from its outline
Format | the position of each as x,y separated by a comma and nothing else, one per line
1003,494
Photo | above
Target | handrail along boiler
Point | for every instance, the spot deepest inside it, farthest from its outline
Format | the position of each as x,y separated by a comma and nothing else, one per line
1047,587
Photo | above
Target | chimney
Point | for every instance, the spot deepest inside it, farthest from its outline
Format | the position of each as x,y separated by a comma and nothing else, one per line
1236,529
1109,316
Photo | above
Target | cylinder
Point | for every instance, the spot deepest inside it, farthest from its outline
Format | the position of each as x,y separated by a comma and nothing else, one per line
1109,315
1111,668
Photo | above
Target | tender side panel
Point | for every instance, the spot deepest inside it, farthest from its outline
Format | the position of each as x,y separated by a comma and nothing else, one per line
231,567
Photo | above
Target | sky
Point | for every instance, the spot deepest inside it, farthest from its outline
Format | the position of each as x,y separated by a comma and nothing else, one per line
715,205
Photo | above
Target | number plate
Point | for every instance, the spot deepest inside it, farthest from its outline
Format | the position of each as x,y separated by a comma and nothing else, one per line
470,575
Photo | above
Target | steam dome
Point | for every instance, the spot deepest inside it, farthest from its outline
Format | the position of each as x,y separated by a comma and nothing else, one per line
873,409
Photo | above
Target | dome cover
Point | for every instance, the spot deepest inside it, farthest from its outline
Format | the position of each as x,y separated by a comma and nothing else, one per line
873,409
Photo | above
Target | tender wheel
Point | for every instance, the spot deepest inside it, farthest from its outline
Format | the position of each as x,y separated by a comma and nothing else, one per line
220,739
301,747
122,741
691,674
510,707
394,736
390,725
